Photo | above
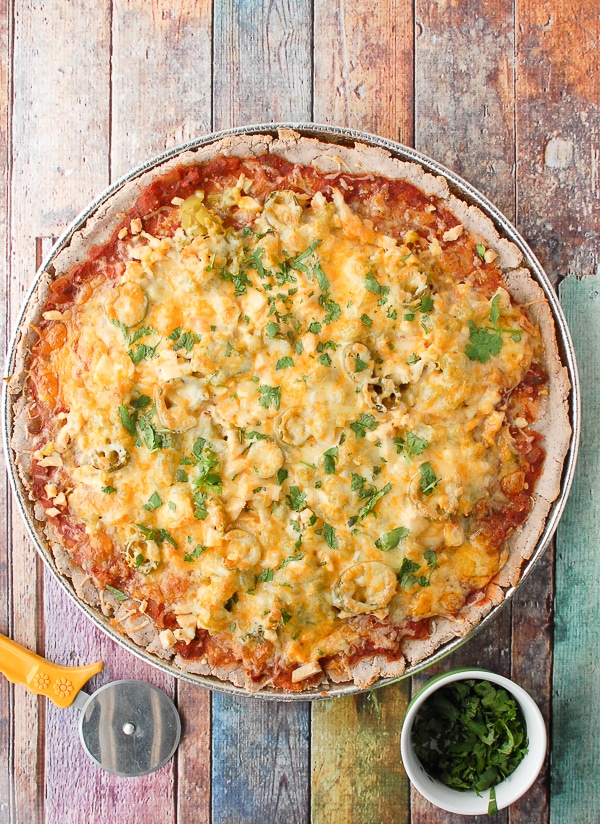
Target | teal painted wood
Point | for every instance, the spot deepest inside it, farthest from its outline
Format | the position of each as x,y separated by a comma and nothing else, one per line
261,761
576,680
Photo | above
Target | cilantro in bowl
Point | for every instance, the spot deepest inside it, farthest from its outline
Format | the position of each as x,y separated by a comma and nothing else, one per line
470,735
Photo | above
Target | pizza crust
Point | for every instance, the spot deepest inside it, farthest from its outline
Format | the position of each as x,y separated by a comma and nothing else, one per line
553,421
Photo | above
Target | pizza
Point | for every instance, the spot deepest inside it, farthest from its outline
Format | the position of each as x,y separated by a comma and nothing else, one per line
291,413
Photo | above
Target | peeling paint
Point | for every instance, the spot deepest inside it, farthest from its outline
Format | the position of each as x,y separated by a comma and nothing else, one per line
559,153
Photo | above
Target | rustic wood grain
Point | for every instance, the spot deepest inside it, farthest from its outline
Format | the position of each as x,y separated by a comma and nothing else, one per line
6,689
464,91
262,62
576,686
260,761
194,754
558,129
59,140
161,77
357,773
73,782
532,637
363,66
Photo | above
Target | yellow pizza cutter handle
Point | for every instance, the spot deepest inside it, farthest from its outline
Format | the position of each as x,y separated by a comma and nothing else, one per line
59,684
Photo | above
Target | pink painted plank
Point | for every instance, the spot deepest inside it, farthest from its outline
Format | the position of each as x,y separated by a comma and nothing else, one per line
77,791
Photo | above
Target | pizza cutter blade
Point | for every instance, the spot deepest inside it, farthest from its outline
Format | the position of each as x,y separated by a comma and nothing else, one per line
128,728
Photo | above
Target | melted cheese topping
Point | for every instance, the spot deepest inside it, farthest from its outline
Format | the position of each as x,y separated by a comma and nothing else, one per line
282,426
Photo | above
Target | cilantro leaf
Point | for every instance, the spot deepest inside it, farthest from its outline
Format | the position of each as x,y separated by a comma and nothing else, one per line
329,535
271,396
372,285
108,490
284,363
153,502
372,501
296,499
281,476
331,308
189,557
391,539
272,329
429,479
120,596
410,445
329,460
483,343
365,421
406,572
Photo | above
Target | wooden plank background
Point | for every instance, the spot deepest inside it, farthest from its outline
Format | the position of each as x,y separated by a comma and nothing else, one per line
505,93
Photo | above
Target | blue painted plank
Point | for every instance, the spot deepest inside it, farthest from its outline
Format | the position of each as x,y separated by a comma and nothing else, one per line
260,761
576,679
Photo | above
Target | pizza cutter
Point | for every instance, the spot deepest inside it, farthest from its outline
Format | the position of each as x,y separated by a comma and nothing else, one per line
128,728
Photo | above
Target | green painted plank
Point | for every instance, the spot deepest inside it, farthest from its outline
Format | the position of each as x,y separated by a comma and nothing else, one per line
357,773
576,685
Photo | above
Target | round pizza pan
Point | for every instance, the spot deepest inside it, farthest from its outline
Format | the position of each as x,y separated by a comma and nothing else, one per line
336,135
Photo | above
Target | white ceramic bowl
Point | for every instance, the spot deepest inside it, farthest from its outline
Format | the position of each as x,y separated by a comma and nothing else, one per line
467,802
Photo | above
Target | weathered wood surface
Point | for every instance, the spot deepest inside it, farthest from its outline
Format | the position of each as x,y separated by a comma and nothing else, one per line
576,682
558,128
357,777
504,93
260,761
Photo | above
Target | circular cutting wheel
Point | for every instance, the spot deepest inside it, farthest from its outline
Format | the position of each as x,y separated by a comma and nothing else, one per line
129,728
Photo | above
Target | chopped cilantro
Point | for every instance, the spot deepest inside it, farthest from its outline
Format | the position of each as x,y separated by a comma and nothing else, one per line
366,421
410,445
158,535
296,499
483,343
181,476
329,535
270,396
481,250
372,285
281,476
108,490
367,321
153,502
272,329
315,327
240,282
192,556
470,735
360,365
186,341
414,358
372,501
284,363
331,308
120,596
391,539
324,359
429,479
406,575
298,347
329,460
